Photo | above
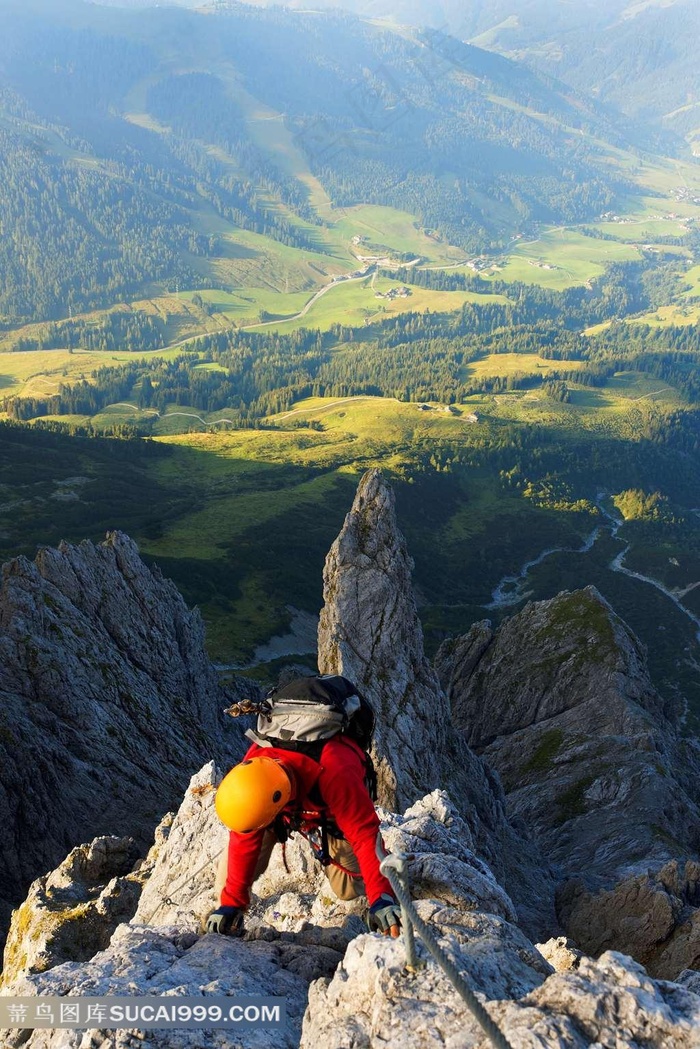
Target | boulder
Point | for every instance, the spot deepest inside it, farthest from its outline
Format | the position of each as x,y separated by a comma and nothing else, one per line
653,917
71,913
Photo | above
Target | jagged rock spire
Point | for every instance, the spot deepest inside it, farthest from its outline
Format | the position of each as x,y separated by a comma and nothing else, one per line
370,632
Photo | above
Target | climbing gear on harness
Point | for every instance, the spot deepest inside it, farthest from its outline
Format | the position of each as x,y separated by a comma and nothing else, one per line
318,840
227,921
252,794
384,916
301,822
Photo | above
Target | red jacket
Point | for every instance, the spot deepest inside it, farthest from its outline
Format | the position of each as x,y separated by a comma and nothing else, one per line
340,781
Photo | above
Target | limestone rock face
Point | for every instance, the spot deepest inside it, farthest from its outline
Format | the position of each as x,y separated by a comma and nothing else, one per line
149,961
653,917
612,1002
72,912
557,652
370,632
109,703
559,701
180,866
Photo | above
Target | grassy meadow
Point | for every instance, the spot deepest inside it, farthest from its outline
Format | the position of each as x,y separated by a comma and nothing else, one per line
561,258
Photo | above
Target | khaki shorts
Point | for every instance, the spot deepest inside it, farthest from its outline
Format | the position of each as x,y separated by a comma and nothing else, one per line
343,885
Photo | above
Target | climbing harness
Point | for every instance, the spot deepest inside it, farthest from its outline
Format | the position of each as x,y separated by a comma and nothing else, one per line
322,852
317,838
395,869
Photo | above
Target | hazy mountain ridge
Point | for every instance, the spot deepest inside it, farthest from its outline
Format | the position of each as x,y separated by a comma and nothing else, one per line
638,57
472,144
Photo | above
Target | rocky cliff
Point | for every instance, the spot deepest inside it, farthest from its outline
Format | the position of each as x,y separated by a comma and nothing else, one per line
369,631
109,704
466,838
343,987
559,701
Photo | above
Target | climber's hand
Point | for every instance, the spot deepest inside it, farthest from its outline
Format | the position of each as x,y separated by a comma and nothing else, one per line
385,916
227,921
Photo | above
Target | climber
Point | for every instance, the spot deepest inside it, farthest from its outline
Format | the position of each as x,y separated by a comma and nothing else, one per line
276,791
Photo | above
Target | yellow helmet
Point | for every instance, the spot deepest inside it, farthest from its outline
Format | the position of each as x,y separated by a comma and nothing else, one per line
252,794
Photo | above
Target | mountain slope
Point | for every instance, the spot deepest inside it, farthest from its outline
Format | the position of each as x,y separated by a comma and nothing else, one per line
109,702
157,136
637,56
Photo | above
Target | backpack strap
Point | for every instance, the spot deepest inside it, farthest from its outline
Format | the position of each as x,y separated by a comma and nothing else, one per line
370,769
371,776
261,741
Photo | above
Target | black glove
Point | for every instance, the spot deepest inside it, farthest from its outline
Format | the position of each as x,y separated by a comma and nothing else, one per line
227,921
385,916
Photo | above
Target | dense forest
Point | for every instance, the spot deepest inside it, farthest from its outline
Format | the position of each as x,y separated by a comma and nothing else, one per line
412,357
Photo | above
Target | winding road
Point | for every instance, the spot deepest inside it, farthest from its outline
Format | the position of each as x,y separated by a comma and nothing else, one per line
511,589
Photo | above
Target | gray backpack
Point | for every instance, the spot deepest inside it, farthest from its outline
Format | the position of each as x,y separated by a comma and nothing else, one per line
311,709
305,713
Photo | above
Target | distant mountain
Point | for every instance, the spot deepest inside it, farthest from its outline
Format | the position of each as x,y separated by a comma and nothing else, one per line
153,3
129,123
639,55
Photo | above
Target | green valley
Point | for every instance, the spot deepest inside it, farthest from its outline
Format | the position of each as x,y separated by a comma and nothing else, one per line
238,291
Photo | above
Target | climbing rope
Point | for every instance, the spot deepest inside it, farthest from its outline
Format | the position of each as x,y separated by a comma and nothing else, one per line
394,868
173,892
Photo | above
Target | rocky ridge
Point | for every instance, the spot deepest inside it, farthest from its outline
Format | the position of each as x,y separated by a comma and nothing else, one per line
343,987
559,701
109,703
369,630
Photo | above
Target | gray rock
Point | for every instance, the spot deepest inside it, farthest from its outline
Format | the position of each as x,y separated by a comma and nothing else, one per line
545,661
653,917
369,631
179,890
690,979
169,961
443,865
71,913
109,703
561,953
560,702
372,1002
